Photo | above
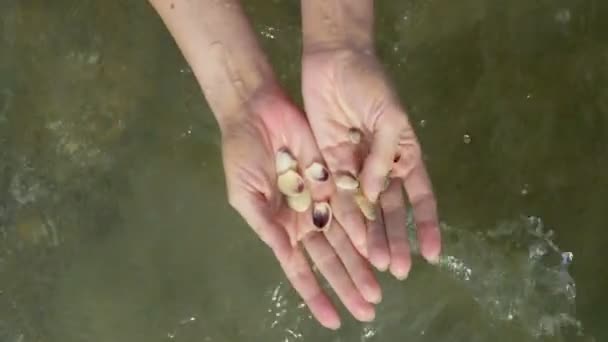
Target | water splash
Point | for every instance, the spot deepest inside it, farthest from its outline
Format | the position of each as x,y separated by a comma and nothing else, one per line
282,316
515,273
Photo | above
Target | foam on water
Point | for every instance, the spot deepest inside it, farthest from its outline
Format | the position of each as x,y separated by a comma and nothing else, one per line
515,273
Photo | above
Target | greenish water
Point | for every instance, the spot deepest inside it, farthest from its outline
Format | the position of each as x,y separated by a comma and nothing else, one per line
114,224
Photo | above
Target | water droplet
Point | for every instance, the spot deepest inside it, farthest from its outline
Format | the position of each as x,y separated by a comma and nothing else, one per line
467,139
93,58
269,32
525,190
563,16
567,258
423,123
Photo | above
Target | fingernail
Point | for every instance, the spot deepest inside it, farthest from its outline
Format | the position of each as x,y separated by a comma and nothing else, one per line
401,274
367,314
380,261
382,267
334,325
317,172
373,294
434,260
401,277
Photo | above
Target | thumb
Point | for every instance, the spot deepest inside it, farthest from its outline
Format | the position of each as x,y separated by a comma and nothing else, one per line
379,162
256,211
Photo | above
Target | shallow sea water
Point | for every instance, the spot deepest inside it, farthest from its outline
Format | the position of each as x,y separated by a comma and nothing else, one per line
114,224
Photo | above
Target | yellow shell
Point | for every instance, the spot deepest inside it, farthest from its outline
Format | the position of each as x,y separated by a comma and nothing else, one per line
284,161
347,182
290,183
300,202
366,206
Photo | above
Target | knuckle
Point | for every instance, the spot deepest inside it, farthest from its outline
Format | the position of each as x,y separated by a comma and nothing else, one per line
391,203
343,242
327,261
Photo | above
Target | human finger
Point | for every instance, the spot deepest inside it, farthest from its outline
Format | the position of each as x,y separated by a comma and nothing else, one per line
330,266
256,211
384,146
378,250
395,216
349,216
424,206
343,159
302,279
356,265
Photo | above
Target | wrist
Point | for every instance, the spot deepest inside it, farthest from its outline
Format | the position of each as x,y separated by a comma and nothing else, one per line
220,46
261,105
229,83
337,25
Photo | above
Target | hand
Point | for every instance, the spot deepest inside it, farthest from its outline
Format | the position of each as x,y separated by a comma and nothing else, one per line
266,124
257,121
345,88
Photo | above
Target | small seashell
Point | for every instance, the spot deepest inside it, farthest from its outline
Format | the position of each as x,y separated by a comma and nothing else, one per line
354,135
366,206
284,161
300,202
322,215
347,182
317,172
290,183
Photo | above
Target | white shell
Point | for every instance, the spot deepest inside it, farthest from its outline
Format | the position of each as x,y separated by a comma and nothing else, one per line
317,172
347,182
290,183
366,206
322,215
284,161
300,202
